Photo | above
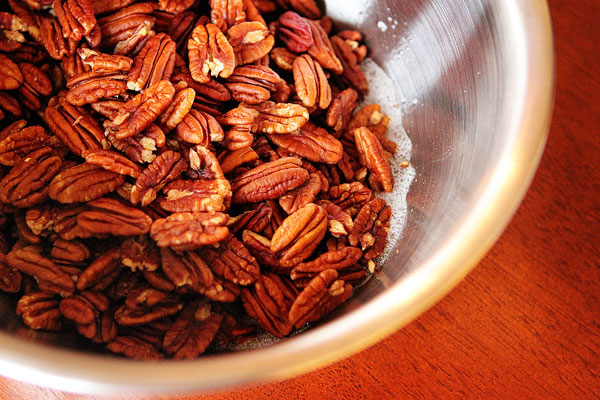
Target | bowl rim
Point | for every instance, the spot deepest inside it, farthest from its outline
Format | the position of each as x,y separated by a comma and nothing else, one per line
534,84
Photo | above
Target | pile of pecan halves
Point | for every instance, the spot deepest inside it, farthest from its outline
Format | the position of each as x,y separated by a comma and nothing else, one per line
180,174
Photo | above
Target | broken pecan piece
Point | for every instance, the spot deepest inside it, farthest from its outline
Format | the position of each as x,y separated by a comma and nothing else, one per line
188,231
299,235
140,253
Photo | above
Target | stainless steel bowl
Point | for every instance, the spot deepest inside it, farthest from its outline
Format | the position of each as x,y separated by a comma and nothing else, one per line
481,75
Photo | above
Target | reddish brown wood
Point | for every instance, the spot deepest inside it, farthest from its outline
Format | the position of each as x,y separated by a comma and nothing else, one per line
525,323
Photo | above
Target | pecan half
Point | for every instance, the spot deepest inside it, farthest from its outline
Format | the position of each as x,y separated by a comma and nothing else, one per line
94,89
341,108
270,117
340,222
232,261
322,50
27,182
111,216
350,196
312,143
250,41
254,84
69,251
240,120
64,222
179,108
353,73
260,247
164,169
283,58
175,6
193,196
133,347
10,278
302,195
140,253
50,278
186,270
102,63
269,180
10,74
209,52
231,160
323,294
138,113
311,83
371,227
154,63
299,235
372,156
343,260
141,148
18,141
112,161
123,23
40,311
76,17
35,85
268,301
226,13
134,317
371,117
193,331
294,32
83,182
88,310
99,269
188,231
199,127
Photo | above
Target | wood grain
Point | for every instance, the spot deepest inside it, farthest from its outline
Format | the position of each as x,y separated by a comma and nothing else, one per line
525,323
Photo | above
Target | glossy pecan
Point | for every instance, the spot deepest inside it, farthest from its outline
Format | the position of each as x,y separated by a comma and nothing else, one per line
135,348
371,227
112,161
196,195
268,181
299,235
76,17
69,250
10,104
74,126
141,148
164,169
40,311
271,117
27,182
179,108
101,63
154,63
186,270
323,294
10,278
232,261
312,143
83,182
254,84
371,117
199,127
227,13
175,6
64,222
35,85
50,278
371,155
283,58
353,73
295,199
140,253
341,108
113,217
240,121
133,44
50,35
294,32
123,23
250,41
209,52
95,274
343,260
138,113
312,86
256,219
10,74
260,247
106,6
339,222
102,87
307,8
16,141
350,196
322,50
204,163
188,231
268,301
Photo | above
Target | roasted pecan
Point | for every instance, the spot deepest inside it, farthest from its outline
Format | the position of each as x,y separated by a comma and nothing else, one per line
88,310
102,330
312,143
268,301
340,222
199,127
154,63
322,295
102,63
35,84
283,58
159,280
294,31
240,121
16,141
97,271
353,73
204,163
138,113
10,104
209,52
102,87
350,196
74,126
193,196
232,261
260,247
193,330
134,317
187,231
106,6
10,278
164,169
10,74
141,147
187,270
302,195
227,13
254,84
344,261
175,6
112,161
133,347
76,17
25,234
50,278
133,44
64,222
250,41
299,235
231,160
27,182
371,227
307,8
233,330
256,219
123,23
140,253
50,35
83,182
371,117
270,117
341,108
322,50
69,250
40,311
40,218
113,217
179,108
372,156
269,180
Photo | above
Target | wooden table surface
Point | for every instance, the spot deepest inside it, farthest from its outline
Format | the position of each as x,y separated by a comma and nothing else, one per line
525,323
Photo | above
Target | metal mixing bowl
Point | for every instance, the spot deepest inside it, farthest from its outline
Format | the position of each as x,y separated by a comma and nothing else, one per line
481,72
